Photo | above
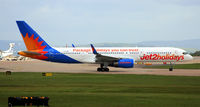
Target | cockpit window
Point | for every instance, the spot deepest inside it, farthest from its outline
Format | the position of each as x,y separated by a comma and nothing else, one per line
185,53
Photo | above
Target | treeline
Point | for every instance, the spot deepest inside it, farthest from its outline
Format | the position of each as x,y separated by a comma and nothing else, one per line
197,53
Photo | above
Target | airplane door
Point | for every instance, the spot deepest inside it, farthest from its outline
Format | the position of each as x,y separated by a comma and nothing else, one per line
142,53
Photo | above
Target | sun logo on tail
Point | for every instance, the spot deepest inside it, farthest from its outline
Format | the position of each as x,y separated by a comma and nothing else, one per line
34,45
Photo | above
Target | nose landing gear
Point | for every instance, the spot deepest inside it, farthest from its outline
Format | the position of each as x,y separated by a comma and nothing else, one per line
171,68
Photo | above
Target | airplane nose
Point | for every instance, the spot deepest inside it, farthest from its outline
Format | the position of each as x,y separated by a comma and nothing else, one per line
191,57
188,57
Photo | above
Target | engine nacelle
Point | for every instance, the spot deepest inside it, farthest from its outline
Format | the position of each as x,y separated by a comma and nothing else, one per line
124,63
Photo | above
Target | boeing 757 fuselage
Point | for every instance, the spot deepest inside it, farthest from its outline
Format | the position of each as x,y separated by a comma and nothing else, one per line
123,57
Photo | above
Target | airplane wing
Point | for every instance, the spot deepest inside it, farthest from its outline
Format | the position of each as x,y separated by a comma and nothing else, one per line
103,58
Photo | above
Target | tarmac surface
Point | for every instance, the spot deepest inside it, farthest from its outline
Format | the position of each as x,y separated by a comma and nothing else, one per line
42,66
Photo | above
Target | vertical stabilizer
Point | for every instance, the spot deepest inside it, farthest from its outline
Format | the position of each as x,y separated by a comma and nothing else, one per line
31,39
10,50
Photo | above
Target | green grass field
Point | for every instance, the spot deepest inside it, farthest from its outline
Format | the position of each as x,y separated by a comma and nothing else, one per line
103,90
177,66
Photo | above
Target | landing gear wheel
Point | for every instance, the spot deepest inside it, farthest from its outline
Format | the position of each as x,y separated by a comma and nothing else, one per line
103,69
99,69
170,69
106,69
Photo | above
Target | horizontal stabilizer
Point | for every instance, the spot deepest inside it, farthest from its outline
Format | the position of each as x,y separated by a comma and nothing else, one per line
28,53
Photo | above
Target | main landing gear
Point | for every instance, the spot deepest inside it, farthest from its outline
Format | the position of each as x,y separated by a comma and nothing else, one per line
103,68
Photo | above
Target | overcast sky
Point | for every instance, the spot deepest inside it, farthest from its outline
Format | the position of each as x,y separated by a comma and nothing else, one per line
95,21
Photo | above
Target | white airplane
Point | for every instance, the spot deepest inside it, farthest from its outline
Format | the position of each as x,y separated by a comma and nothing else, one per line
8,52
115,56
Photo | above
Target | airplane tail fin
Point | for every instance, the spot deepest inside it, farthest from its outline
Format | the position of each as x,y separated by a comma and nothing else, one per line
10,50
11,47
31,39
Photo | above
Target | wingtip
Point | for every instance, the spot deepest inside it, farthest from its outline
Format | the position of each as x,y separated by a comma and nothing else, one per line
19,21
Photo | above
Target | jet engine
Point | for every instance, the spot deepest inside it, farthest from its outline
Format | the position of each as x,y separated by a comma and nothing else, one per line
124,63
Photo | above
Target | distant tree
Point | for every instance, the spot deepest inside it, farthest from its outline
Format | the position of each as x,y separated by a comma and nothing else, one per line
197,53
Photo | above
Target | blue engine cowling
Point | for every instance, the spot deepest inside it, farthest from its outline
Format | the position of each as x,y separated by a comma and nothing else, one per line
124,63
